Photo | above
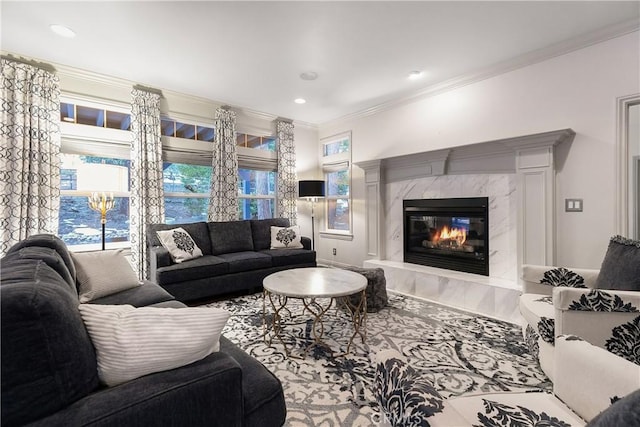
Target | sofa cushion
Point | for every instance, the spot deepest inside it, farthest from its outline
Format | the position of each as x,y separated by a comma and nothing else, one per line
140,296
261,231
283,257
246,261
48,361
199,268
179,243
51,257
197,230
621,265
48,241
103,273
131,342
230,236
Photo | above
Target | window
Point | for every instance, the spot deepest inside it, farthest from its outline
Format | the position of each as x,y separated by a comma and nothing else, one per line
267,143
256,194
336,165
186,130
80,175
186,192
93,116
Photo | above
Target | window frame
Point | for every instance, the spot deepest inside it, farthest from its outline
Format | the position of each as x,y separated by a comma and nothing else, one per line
334,163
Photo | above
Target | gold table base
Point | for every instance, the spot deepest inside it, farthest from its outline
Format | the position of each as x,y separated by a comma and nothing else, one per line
278,303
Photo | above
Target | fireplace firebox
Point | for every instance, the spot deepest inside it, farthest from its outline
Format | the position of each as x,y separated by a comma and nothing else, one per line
448,233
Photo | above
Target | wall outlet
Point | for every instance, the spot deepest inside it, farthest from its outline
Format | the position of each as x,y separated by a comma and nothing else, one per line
573,205
334,251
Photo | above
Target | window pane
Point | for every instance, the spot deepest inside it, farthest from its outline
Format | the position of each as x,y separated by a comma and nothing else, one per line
338,214
336,147
118,120
185,131
255,208
241,139
90,116
338,183
256,182
92,173
80,225
168,127
67,114
205,133
184,178
180,210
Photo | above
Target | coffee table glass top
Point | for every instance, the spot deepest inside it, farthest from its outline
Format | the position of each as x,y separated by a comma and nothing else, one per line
315,282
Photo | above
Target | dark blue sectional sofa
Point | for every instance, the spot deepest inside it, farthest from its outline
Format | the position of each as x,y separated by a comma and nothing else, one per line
236,257
49,369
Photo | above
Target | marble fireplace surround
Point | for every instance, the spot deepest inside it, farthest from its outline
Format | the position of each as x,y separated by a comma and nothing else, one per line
518,176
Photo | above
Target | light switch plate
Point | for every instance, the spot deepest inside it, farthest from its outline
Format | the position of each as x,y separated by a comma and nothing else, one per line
573,205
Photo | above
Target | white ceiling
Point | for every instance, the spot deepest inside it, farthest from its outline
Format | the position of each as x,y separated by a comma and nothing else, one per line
251,54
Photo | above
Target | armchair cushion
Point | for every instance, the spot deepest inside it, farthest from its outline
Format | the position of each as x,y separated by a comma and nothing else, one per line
621,265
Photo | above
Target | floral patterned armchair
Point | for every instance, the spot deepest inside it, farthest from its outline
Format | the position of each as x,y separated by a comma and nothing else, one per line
591,386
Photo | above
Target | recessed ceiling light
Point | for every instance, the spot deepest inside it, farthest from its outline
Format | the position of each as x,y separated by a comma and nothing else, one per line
300,100
415,75
309,75
63,31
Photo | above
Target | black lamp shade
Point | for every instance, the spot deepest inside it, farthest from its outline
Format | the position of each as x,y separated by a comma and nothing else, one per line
311,188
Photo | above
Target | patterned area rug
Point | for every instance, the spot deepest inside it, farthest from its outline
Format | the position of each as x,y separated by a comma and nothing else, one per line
457,351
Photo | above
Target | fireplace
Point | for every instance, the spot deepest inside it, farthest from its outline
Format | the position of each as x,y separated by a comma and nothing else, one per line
448,233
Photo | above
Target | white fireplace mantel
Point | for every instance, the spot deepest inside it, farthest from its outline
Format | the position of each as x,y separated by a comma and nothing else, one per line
530,157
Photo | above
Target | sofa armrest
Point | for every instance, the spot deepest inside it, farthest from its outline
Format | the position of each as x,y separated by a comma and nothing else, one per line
595,315
306,242
535,282
588,379
205,393
158,257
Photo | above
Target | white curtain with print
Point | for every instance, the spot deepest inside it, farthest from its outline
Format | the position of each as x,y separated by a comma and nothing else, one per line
287,178
29,153
223,204
146,192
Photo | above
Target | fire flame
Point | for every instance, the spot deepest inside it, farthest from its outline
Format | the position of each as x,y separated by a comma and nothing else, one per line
457,234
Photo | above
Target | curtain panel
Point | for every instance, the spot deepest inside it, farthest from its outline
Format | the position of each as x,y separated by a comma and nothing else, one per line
287,179
29,153
146,190
223,204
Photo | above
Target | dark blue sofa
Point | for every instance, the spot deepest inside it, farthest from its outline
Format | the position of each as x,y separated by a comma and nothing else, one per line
236,257
49,369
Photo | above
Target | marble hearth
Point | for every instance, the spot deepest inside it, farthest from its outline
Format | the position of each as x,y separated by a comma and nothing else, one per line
516,174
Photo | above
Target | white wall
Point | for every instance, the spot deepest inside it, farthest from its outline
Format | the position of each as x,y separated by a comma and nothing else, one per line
577,90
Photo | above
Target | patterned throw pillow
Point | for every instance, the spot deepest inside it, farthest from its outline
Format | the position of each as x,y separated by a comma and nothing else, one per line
131,342
620,268
286,237
179,243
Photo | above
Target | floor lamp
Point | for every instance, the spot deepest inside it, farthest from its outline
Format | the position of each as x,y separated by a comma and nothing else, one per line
103,205
311,190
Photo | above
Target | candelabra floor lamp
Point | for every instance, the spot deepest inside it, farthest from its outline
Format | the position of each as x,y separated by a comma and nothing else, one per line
311,190
102,204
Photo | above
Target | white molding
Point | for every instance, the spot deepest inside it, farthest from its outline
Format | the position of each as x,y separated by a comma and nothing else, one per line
497,69
621,219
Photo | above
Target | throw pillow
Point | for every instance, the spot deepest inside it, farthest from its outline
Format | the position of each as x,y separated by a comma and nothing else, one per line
286,237
179,243
102,273
131,342
620,268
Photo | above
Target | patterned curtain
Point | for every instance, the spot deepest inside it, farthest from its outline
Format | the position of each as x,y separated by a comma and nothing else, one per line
223,204
29,153
146,191
287,179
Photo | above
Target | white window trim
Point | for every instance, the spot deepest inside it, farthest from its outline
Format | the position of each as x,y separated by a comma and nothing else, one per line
333,163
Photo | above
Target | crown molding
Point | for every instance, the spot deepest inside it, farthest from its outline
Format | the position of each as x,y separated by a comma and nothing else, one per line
497,69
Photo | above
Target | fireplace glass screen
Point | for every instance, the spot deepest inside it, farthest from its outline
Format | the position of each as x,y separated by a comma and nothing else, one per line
447,233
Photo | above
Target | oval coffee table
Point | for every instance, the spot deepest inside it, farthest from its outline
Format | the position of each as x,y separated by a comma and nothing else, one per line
311,285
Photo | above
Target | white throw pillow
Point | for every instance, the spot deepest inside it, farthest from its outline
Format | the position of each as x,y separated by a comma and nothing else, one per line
179,243
102,273
131,342
285,237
